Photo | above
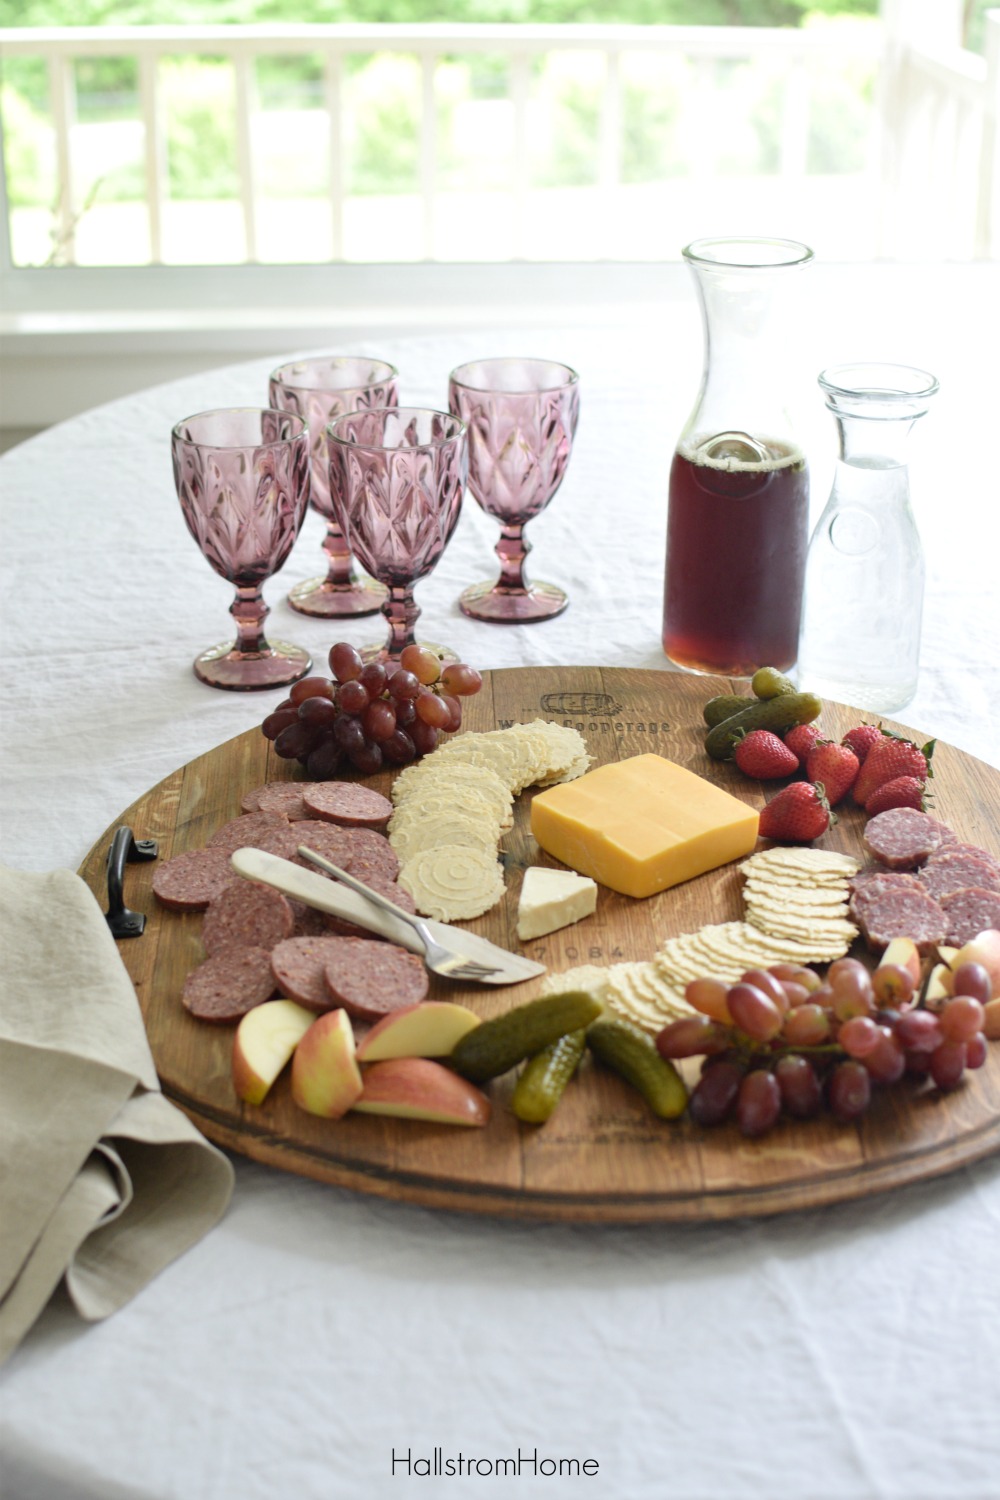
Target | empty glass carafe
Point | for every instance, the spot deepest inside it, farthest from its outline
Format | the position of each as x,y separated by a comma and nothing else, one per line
864,587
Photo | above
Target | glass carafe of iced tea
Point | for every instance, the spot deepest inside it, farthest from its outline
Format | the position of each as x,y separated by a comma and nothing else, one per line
737,526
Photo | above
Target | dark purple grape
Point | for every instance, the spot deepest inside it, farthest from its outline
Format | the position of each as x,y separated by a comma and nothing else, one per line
297,740
345,662
692,1036
322,711
325,761
758,1103
353,697
801,1091
379,720
402,684
918,1031
367,758
279,720
850,1090
713,1098
432,710
372,679
424,736
348,733
886,1062
399,749
455,710
406,712
310,687
948,1064
976,1051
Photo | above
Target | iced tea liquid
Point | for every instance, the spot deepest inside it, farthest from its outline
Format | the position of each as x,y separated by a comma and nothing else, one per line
737,534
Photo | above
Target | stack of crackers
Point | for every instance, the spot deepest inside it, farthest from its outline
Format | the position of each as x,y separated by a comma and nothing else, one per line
452,807
796,912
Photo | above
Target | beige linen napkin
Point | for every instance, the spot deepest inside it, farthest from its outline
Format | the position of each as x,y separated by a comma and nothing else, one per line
103,1182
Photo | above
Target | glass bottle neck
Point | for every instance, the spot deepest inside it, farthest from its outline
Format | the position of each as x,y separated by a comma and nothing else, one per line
873,443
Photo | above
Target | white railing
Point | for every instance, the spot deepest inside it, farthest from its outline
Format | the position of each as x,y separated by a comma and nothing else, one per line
521,46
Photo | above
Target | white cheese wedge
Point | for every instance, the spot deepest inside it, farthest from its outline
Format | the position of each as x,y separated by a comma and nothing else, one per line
551,899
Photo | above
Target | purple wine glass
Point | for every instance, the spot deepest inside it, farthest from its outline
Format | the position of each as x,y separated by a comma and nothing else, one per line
319,390
242,478
522,416
397,478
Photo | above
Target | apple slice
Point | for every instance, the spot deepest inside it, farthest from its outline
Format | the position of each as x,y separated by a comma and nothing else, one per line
904,952
414,1088
265,1039
326,1080
428,1029
938,987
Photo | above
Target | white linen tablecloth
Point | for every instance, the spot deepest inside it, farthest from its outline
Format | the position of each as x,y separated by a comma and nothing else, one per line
315,1334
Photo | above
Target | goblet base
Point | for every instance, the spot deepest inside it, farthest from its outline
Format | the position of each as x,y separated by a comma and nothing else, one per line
223,666
335,601
381,653
487,601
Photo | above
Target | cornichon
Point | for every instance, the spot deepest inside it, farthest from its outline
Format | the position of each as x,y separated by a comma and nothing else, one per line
723,707
545,1076
768,682
778,714
630,1052
494,1046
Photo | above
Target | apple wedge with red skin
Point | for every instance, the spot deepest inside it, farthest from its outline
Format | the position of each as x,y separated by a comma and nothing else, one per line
428,1029
415,1088
326,1079
264,1042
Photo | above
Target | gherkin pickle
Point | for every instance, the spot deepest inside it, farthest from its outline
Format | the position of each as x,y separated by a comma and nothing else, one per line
723,707
779,714
768,682
545,1076
630,1052
494,1046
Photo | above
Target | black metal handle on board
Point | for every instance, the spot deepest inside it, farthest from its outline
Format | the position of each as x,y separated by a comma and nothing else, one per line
125,849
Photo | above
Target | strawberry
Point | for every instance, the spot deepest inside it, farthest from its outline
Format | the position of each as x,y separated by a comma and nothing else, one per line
763,755
902,791
798,814
836,766
861,739
801,739
891,756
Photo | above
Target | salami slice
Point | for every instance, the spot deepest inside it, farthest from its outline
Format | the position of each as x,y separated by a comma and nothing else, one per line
229,984
286,799
246,915
282,841
326,838
348,803
371,979
884,913
297,965
902,838
250,801
371,852
189,881
970,912
246,832
954,869
956,848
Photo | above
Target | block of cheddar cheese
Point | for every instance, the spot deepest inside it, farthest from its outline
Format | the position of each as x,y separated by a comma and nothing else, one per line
642,825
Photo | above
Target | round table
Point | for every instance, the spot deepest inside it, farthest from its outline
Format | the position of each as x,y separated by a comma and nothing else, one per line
320,1343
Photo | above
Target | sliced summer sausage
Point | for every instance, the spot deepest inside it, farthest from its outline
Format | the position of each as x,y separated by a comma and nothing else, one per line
247,831
902,838
247,915
229,984
188,882
884,912
348,803
970,912
954,869
371,979
297,965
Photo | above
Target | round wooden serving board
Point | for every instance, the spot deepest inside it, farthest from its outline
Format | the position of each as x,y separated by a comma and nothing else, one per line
603,1157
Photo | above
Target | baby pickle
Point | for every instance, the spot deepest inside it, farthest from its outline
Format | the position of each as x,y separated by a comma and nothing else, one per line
494,1046
723,707
768,682
780,714
545,1076
630,1052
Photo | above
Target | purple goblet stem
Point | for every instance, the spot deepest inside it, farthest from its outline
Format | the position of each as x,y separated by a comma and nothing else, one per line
340,572
249,611
512,549
402,612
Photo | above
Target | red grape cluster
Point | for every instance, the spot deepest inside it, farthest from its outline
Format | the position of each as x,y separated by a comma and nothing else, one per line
371,715
783,1040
